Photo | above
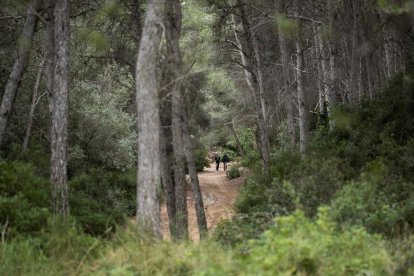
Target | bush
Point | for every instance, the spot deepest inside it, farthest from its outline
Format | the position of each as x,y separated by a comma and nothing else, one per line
233,172
297,245
59,249
102,199
24,198
201,155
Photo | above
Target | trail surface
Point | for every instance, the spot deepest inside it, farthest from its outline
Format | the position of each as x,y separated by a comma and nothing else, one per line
219,194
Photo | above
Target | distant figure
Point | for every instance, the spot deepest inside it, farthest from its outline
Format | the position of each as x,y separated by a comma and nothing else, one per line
225,160
217,159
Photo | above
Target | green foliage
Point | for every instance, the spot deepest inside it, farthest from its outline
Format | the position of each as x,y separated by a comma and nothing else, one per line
242,228
102,131
233,172
201,155
292,245
287,26
60,249
102,199
297,245
24,198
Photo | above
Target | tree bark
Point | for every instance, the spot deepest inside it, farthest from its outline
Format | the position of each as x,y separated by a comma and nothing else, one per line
174,56
33,105
59,131
168,184
251,60
303,124
354,55
286,79
331,93
236,137
195,184
147,99
50,53
19,67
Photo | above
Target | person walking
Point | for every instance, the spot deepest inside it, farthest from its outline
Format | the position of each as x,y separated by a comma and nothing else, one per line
225,160
217,159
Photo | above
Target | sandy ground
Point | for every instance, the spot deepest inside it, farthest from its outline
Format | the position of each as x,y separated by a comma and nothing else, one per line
219,194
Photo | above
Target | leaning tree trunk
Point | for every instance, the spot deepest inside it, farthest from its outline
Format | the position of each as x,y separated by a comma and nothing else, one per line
173,24
33,106
251,60
195,184
147,100
59,128
23,53
180,123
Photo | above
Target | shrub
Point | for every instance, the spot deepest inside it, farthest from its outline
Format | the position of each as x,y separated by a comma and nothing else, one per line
233,172
59,249
101,199
24,198
297,245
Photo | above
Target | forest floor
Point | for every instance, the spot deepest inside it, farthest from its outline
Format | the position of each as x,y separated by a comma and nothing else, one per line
219,194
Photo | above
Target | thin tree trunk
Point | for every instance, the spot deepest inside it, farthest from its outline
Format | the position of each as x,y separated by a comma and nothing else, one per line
147,100
195,184
173,35
254,77
319,72
303,130
33,105
59,131
286,81
168,184
354,56
19,67
50,53
236,137
325,69
331,94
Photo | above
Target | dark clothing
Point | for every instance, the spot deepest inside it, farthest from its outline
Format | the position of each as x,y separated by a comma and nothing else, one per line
225,160
217,159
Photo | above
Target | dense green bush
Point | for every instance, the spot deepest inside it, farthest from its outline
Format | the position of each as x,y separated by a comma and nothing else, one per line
101,199
299,246
233,172
292,245
201,155
24,198
59,249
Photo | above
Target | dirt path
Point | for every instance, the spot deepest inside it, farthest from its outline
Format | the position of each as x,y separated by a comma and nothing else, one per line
219,194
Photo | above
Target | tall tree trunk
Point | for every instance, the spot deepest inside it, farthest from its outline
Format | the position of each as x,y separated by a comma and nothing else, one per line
236,137
319,71
354,55
325,67
286,78
33,105
195,184
303,124
331,94
254,77
177,120
147,100
59,128
50,53
19,67
168,184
